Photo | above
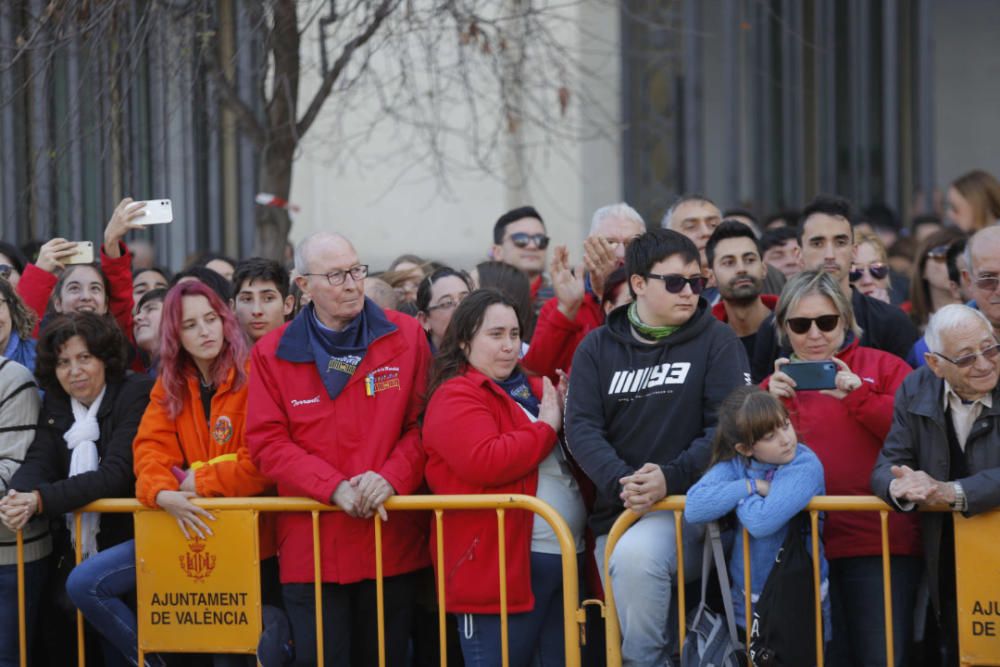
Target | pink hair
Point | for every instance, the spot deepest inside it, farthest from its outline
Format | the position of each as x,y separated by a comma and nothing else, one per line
175,362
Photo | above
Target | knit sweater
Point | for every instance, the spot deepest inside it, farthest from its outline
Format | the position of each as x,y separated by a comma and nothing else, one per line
724,488
19,404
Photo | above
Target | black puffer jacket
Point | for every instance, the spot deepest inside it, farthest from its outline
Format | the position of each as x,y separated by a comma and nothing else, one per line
47,464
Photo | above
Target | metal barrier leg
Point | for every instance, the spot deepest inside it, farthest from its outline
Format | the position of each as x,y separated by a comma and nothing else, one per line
379,590
814,526
887,588
681,579
81,647
747,589
504,648
22,632
442,629
318,588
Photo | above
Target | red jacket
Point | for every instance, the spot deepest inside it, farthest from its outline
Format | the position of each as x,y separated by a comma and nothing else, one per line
847,435
478,440
556,337
309,444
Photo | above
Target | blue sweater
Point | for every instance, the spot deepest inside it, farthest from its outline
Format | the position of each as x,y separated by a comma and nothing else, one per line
724,488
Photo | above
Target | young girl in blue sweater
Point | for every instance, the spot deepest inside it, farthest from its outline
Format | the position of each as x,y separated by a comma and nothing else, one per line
761,470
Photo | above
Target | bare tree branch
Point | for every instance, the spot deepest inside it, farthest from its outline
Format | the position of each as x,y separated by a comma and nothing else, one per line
230,98
384,9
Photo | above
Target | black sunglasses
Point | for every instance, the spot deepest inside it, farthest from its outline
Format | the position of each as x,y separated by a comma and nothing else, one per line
5,271
675,282
938,253
877,270
801,325
523,239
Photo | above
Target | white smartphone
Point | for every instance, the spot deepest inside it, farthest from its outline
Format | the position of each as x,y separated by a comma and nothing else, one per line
158,212
84,253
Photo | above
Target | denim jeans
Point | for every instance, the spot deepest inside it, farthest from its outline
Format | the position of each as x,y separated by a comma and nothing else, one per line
643,568
859,613
350,621
35,574
535,638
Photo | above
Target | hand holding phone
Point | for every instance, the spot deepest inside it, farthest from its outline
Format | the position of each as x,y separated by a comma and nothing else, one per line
84,253
812,375
158,212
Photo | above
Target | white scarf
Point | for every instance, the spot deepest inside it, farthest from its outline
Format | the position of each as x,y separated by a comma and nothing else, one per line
81,439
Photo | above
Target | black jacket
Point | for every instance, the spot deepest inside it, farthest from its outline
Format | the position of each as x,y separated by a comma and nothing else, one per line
631,403
883,326
919,439
47,464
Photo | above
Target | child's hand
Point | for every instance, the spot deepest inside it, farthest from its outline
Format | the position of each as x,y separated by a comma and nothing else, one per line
763,487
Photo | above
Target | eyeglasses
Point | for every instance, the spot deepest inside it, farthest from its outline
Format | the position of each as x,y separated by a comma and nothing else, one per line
675,282
523,239
988,283
336,278
877,270
446,304
5,271
938,253
968,359
801,325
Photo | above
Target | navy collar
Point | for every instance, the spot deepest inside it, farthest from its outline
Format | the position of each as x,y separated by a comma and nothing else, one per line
294,344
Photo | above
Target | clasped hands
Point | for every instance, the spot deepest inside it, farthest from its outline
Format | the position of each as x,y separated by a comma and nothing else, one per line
916,486
17,508
363,495
643,488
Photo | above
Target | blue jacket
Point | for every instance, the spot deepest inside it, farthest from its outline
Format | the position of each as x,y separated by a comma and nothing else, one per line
21,350
724,488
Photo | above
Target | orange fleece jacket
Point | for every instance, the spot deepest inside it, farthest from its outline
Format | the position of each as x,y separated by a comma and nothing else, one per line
219,456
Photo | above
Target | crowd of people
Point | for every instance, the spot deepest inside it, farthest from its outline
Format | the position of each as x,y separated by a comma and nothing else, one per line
662,364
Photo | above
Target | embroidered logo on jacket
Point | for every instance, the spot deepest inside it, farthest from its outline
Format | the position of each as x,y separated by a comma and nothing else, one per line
381,379
222,432
346,364
631,382
298,402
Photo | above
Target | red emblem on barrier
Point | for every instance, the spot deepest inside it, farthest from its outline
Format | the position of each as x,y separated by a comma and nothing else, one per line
197,563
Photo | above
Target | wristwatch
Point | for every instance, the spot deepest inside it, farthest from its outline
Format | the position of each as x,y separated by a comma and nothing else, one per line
960,504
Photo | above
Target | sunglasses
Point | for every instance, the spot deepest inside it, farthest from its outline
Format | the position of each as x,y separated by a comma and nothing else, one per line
801,325
988,283
877,270
675,282
523,240
938,253
967,360
5,271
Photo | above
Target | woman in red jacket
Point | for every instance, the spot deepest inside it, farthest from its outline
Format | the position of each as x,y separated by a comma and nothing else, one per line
845,427
490,429
191,443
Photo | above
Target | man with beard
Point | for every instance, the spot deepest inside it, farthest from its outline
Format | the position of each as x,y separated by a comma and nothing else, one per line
733,254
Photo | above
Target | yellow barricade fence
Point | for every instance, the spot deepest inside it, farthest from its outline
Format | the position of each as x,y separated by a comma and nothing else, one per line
817,505
572,612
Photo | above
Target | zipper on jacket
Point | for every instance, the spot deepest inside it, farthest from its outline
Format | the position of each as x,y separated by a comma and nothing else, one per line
469,555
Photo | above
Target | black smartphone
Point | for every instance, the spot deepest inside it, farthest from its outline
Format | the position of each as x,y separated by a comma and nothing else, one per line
812,375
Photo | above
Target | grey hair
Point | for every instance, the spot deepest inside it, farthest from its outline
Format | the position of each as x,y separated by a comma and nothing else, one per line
980,236
813,282
683,199
619,210
301,263
948,318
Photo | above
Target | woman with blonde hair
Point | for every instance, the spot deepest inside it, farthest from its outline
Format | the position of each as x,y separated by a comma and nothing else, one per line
973,201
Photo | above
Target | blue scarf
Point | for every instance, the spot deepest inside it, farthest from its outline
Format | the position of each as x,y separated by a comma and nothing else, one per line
21,351
337,353
517,388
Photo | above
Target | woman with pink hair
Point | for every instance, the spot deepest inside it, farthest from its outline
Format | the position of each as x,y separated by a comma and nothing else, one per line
190,444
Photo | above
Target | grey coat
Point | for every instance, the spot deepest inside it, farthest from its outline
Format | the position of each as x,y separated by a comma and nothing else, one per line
919,438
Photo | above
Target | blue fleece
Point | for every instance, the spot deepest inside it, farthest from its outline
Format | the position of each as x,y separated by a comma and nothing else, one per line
724,488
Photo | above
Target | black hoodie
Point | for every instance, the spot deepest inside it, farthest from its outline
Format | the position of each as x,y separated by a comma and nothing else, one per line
632,402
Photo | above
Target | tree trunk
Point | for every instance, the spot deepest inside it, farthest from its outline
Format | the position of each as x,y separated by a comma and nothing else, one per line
273,223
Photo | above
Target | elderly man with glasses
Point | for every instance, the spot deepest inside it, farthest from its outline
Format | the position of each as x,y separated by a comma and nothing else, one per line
944,446
333,404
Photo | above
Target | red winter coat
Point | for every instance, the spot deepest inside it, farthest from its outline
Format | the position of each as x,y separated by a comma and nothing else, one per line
556,337
309,444
847,436
478,440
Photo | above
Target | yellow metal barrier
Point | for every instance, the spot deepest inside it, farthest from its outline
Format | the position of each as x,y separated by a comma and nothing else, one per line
817,505
572,613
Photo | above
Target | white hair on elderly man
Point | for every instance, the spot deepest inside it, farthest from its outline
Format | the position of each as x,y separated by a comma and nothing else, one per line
620,210
948,319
